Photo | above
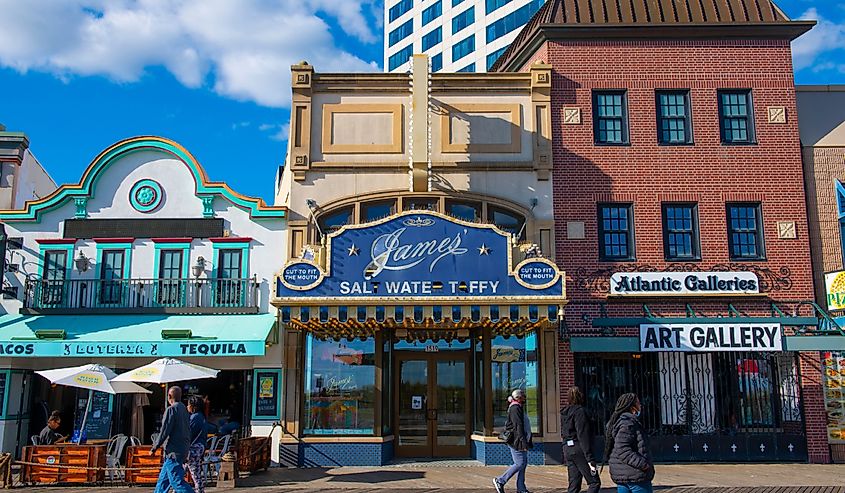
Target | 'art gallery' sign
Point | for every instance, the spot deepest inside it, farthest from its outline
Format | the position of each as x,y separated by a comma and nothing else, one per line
711,337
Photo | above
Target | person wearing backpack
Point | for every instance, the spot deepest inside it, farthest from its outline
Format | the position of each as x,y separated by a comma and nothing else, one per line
517,435
577,437
631,466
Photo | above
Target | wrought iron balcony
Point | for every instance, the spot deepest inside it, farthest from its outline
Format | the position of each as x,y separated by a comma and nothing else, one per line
95,296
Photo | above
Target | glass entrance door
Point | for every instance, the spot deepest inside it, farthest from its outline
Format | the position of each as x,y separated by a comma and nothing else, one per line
433,403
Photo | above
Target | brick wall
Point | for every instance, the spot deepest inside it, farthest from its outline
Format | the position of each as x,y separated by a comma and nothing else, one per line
708,173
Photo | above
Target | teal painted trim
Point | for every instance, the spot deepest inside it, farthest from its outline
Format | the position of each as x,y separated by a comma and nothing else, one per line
186,253
244,248
5,404
637,321
46,248
127,256
814,343
148,191
605,344
87,184
278,373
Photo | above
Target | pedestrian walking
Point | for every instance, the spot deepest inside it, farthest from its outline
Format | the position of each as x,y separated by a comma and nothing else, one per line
196,451
175,438
631,467
577,441
517,435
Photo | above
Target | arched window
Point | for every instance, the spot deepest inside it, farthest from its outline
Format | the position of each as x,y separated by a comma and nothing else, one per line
336,219
506,220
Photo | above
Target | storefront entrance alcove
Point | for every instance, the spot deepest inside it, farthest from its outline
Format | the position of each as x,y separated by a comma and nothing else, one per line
433,399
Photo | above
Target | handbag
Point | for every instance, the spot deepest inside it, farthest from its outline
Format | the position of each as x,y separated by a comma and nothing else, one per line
506,436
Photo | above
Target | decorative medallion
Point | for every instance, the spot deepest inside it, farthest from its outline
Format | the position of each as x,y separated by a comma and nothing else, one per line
145,195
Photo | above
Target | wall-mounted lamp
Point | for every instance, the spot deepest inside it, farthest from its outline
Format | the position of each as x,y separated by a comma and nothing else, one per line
82,262
199,267
562,329
312,207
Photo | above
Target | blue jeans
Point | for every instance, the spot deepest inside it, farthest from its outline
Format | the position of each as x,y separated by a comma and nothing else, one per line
644,487
172,475
520,462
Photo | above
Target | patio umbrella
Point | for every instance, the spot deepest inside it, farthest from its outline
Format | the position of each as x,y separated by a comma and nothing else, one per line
92,377
166,370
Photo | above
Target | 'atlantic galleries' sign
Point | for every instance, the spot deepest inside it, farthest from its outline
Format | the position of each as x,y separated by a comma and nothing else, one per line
711,337
683,283
421,254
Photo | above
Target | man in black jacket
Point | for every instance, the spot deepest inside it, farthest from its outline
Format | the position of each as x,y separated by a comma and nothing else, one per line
577,441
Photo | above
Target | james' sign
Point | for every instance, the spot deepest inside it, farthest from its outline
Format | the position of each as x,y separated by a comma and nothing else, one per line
420,254
683,283
711,337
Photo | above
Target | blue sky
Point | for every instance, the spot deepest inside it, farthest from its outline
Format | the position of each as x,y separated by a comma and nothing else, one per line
79,75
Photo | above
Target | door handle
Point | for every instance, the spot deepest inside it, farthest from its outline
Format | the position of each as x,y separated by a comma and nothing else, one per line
431,415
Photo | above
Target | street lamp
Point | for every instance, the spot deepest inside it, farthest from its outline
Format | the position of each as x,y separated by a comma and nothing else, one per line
82,262
562,329
199,267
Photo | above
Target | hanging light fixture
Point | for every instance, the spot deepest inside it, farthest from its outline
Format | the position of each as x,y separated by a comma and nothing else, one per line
82,262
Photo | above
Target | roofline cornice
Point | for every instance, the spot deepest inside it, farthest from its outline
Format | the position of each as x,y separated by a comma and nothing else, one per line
556,32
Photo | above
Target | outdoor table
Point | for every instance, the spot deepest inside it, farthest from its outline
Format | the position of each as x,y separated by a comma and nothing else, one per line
90,458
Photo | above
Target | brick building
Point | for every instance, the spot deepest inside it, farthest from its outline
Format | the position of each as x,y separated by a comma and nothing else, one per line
681,221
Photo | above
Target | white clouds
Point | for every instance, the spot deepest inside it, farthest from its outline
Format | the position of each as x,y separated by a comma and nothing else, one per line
243,49
825,37
277,131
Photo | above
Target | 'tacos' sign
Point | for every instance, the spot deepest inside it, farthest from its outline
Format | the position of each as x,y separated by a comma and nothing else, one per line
420,254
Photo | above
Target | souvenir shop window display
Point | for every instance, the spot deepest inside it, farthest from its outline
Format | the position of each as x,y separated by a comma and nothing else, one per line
834,378
340,386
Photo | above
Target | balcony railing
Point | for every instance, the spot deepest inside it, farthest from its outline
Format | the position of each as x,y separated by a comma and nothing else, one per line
141,296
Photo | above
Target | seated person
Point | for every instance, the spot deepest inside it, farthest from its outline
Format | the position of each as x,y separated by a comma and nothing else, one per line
49,435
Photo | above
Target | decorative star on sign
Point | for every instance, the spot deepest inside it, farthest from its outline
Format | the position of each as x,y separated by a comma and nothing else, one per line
483,250
353,250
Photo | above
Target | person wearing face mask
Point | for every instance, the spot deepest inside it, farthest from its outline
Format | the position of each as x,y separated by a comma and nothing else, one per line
626,448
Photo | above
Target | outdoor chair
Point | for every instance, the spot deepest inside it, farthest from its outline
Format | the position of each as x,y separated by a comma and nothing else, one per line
114,451
134,441
34,439
215,455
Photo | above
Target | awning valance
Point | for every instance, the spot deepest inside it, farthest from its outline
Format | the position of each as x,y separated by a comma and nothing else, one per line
363,320
110,336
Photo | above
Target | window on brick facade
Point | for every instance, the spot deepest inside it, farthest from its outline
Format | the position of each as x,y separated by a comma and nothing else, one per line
680,232
745,231
616,231
737,117
673,117
610,117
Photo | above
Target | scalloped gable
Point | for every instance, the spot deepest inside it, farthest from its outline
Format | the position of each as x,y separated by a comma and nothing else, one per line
257,208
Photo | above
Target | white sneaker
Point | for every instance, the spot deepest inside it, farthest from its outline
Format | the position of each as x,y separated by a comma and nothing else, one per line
500,488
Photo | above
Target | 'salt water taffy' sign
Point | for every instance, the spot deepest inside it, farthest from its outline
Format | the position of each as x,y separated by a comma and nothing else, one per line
711,337
420,254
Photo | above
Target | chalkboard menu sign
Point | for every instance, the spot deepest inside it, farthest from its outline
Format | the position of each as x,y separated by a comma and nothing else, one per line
3,383
98,424
267,400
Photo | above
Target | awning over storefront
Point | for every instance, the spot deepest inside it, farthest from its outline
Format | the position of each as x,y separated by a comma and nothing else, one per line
419,270
91,336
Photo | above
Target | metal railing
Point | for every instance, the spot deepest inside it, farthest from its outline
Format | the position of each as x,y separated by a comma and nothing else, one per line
142,295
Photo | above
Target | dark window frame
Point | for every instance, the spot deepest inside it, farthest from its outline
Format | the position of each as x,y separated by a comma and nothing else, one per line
759,232
751,130
478,206
695,232
625,133
688,140
521,220
362,209
348,210
630,233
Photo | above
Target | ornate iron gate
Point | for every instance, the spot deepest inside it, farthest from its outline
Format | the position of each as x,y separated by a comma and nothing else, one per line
703,407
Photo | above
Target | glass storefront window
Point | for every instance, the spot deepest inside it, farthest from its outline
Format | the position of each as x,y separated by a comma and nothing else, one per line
478,360
515,366
833,364
339,387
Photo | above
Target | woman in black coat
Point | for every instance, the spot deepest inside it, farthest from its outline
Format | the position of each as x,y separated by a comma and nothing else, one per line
519,443
577,444
631,467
